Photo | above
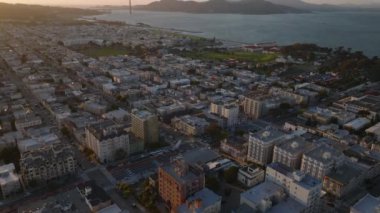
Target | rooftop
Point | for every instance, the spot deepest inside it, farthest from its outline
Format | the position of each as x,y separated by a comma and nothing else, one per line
368,203
345,173
267,135
295,145
261,192
205,196
324,154
304,180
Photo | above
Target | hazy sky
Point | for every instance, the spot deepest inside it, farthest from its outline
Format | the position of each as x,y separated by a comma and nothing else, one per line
108,2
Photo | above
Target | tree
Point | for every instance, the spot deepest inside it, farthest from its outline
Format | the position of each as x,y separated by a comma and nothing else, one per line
125,189
65,131
212,183
120,154
230,175
216,132
24,58
363,113
11,155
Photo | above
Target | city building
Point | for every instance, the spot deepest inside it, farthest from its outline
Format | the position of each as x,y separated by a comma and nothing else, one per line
47,163
367,204
203,201
68,202
228,111
250,176
9,180
105,139
235,148
254,104
261,144
290,152
178,181
262,197
145,126
299,186
320,160
27,121
343,179
95,197
190,125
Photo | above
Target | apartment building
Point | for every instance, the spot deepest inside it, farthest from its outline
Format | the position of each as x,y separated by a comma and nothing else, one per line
47,163
190,125
229,111
9,180
261,144
179,180
290,152
145,126
299,186
320,160
105,139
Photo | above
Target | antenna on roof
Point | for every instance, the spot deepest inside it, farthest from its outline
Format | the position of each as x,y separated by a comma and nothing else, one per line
130,7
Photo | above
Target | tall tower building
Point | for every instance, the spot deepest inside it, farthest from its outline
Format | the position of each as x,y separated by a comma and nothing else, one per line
145,126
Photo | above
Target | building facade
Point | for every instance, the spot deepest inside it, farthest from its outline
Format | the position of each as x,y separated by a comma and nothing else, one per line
251,176
145,126
261,144
178,181
319,161
105,140
290,152
47,163
301,187
9,180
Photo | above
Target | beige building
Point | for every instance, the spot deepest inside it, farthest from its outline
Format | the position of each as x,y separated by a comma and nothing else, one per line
190,125
145,126
254,105
228,111
9,180
47,163
290,152
261,144
319,161
105,139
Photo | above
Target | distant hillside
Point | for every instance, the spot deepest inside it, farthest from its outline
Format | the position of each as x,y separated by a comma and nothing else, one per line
22,12
299,4
219,6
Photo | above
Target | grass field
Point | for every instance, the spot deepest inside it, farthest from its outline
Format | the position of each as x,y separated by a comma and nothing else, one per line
236,55
96,52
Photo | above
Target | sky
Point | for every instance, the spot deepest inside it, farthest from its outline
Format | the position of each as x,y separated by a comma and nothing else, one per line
135,2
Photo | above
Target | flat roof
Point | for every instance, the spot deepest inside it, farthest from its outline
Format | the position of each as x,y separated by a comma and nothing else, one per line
262,191
368,203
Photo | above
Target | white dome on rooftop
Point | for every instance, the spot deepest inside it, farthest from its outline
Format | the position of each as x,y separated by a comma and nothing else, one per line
326,155
295,145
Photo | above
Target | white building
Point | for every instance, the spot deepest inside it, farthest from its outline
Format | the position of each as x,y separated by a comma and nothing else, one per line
301,187
250,176
9,180
260,198
319,161
105,139
261,144
290,152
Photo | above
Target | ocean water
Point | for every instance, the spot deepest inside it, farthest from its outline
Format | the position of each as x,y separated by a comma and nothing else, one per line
357,30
